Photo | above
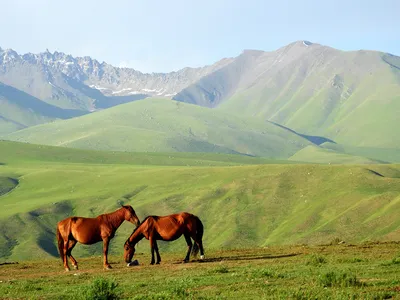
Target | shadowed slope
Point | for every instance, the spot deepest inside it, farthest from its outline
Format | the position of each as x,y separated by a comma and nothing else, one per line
19,110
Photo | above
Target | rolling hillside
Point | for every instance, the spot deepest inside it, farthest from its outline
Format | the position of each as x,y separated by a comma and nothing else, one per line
241,206
320,155
26,154
20,110
349,97
159,125
65,84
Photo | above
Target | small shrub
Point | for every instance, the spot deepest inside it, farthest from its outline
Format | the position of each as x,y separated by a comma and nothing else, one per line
338,279
394,261
102,289
381,295
221,270
316,260
356,260
180,292
269,273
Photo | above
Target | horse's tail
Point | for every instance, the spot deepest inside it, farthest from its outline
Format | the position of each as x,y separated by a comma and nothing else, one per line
199,236
60,242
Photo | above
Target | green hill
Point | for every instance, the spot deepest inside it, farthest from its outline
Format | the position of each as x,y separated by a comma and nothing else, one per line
160,125
314,154
384,154
20,110
351,97
22,153
241,206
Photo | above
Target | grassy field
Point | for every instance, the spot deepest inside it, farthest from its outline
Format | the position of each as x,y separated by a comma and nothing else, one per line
241,204
364,271
14,153
160,125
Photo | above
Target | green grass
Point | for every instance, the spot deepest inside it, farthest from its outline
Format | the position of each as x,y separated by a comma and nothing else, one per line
314,154
253,273
240,205
160,125
23,153
382,154
7,184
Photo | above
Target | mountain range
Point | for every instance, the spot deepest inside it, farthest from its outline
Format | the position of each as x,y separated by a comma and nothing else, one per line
320,94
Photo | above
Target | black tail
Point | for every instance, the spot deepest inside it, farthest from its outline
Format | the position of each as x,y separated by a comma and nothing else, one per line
199,236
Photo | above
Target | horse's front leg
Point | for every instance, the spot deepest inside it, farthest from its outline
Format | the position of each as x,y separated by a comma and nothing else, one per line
106,242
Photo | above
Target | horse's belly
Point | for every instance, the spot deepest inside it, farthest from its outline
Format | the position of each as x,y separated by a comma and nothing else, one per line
170,238
86,235
88,240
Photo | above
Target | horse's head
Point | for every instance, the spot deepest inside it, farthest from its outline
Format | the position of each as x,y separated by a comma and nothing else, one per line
130,215
129,251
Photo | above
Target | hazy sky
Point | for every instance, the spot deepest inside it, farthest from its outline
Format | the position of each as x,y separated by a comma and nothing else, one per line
166,35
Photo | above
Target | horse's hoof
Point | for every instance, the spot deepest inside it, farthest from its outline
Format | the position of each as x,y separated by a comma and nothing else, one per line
202,257
157,263
185,261
108,267
66,269
76,267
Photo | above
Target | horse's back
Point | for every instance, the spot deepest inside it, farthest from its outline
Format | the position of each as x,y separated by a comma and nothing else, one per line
84,230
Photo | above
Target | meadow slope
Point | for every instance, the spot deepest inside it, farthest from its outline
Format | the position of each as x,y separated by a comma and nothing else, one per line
240,205
161,125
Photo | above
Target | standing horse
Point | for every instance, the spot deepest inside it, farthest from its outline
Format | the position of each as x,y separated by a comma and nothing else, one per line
91,230
167,228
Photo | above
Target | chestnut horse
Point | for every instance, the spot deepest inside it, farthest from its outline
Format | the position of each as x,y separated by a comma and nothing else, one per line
167,228
91,230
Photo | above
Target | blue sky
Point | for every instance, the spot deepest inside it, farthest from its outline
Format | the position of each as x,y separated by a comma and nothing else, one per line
162,36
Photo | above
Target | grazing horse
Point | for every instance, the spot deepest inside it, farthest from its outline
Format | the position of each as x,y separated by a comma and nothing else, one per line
91,230
167,228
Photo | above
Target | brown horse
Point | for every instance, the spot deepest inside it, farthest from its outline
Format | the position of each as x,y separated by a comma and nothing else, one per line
167,228
91,230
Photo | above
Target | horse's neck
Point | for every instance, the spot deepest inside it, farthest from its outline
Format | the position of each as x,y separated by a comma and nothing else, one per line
115,219
136,236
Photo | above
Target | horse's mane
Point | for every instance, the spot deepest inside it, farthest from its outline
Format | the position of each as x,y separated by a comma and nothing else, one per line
141,223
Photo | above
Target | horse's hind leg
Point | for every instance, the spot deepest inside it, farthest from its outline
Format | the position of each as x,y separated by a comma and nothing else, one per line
71,245
152,248
157,253
190,245
65,251
200,244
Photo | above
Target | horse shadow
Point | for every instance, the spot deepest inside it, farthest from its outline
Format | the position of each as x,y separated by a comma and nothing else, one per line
245,257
